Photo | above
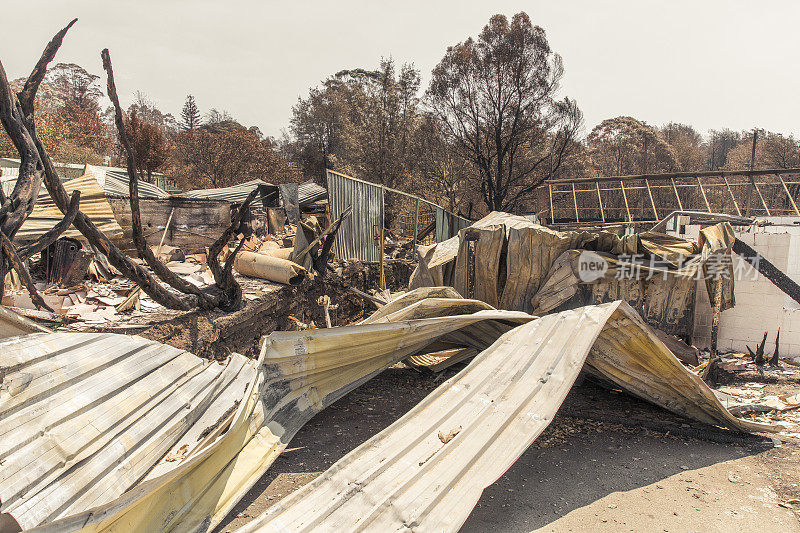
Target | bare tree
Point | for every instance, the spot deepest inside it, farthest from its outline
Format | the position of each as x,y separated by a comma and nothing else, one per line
497,97
17,117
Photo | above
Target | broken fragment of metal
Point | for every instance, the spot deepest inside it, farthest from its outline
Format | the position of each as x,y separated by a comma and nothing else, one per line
439,360
101,432
427,471
409,298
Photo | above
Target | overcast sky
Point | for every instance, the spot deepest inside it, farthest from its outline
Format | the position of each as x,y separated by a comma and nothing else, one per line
712,64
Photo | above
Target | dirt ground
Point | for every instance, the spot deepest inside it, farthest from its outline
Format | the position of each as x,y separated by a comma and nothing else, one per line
608,462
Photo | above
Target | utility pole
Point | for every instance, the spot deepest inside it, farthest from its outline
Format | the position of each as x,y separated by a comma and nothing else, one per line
752,167
644,155
753,152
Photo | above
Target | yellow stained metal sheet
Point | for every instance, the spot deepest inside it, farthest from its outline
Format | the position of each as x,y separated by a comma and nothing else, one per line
85,416
88,420
297,375
427,471
94,204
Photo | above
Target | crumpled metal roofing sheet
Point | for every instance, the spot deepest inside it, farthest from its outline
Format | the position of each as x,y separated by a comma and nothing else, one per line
84,416
117,183
426,471
513,263
299,373
87,418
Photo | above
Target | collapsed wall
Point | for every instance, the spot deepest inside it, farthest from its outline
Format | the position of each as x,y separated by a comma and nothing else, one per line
755,295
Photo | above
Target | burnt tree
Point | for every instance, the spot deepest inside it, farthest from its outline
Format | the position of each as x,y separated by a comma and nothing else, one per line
36,167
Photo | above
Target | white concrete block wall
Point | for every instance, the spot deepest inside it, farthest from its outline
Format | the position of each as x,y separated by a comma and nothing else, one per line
760,306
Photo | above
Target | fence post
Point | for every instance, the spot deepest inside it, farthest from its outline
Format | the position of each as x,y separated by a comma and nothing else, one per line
736,205
575,201
625,197
678,196
600,201
786,189
416,221
382,272
703,192
652,202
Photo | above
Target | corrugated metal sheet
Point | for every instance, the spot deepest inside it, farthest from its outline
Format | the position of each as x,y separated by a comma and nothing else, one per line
448,224
8,177
12,325
357,234
300,373
427,471
85,419
234,194
66,171
117,183
94,204
309,192
86,416
513,263
438,361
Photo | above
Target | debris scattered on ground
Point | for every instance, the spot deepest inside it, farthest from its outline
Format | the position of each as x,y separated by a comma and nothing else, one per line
450,436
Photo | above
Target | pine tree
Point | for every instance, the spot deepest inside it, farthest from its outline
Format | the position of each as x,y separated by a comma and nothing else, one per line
190,115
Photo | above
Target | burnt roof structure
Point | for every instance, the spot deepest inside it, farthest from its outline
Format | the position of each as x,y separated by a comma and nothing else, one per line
647,198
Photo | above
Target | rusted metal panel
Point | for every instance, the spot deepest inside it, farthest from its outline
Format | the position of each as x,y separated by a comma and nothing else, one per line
290,200
195,225
357,234
67,262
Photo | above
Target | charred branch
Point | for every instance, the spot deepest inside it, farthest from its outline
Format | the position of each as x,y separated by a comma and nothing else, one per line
28,93
21,128
17,114
223,275
759,358
775,360
10,257
19,204
145,253
322,260
768,270
52,235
